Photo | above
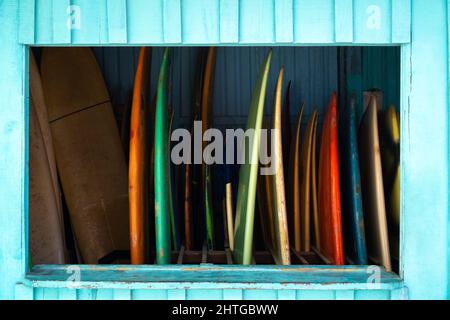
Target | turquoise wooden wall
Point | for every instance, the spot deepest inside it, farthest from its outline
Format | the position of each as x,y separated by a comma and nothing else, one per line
419,26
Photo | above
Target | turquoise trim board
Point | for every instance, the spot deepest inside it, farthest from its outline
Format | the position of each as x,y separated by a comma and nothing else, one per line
419,26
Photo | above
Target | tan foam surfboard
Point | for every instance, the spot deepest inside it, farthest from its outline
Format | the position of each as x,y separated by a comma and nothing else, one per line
89,154
46,224
372,185
280,252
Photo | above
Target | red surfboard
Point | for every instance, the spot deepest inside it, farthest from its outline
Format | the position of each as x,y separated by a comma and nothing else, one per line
329,189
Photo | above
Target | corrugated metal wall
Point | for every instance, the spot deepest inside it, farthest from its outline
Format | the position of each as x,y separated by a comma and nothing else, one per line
314,72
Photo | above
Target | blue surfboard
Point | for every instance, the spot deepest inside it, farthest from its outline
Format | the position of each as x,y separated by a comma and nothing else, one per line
351,194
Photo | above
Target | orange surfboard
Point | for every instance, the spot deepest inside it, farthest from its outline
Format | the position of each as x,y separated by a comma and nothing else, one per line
138,163
331,240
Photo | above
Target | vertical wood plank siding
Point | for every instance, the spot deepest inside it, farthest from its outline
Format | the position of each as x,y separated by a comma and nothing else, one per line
189,22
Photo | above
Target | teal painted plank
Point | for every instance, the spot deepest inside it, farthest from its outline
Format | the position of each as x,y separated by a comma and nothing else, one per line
86,294
145,21
27,21
23,292
316,295
233,294
64,17
198,294
176,294
229,21
372,295
93,26
13,155
67,294
43,22
121,294
204,277
117,21
286,294
106,294
259,294
424,182
343,21
345,295
39,294
200,21
256,21
399,294
372,21
149,294
172,21
51,293
284,26
401,21
314,21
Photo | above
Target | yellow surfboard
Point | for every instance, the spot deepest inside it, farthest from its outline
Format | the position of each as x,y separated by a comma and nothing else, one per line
89,153
305,190
390,156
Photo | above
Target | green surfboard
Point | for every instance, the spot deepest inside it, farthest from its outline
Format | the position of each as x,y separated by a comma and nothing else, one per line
248,173
162,176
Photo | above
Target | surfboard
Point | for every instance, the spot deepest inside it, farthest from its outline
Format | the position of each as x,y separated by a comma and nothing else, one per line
286,129
389,133
162,187
294,183
314,205
176,243
192,180
264,198
206,114
46,224
305,185
352,210
229,214
248,172
372,185
280,253
89,153
187,207
331,241
138,159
